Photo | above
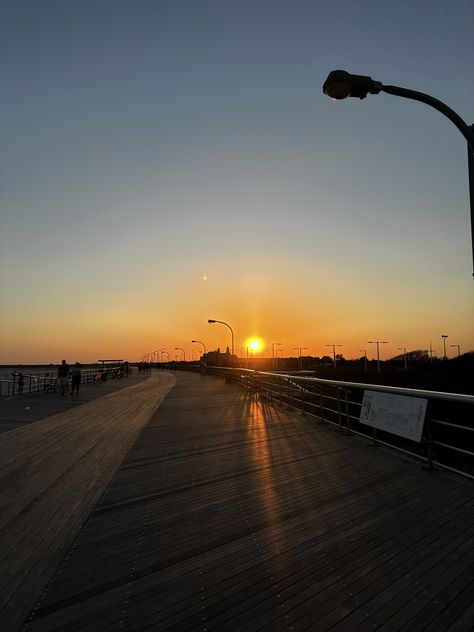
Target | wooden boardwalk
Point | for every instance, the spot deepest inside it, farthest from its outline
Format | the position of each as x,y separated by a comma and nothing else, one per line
229,514
52,473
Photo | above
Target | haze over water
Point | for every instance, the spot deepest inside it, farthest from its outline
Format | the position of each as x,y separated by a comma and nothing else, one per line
164,163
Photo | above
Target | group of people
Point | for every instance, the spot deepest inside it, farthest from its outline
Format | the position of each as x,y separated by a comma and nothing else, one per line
64,371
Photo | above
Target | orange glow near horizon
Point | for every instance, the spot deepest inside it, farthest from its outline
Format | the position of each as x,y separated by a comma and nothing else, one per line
254,344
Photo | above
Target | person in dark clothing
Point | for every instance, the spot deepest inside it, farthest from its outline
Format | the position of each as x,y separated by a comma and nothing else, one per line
63,375
75,378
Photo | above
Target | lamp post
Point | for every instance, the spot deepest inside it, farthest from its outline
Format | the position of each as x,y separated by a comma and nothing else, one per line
341,84
167,353
334,353
377,342
404,349
274,344
211,321
444,336
459,348
300,349
365,359
201,343
180,349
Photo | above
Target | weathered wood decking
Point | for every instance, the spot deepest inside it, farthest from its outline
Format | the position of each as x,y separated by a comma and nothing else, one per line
232,515
52,474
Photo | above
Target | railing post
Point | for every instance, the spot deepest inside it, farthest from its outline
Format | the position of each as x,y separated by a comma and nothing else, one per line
321,407
374,438
303,409
346,405
338,390
429,445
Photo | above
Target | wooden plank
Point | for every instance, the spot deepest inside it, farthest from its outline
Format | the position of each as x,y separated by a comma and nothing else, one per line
61,466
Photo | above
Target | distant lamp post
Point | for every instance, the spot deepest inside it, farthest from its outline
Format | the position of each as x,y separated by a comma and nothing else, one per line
300,361
211,321
274,344
201,343
459,348
365,359
334,353
444,336
341,84
404,349
377,342
184,353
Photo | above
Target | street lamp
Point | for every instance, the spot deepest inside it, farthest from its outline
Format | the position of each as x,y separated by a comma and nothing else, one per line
180,349
201,343
274,344
341,84
212,321
404,349
377,342
459,348
334,353
300,349
444,336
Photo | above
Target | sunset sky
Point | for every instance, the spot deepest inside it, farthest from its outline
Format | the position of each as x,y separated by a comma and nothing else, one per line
165,162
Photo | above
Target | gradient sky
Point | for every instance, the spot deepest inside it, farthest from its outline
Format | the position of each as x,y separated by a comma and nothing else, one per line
148,144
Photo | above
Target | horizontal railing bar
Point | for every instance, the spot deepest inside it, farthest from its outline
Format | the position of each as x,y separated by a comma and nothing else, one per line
451,447
451,425
412,392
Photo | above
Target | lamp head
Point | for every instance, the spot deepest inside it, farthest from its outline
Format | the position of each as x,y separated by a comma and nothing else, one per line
210,321
341,84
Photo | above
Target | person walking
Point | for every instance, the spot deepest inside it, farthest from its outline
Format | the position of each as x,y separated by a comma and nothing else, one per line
63,375
75,379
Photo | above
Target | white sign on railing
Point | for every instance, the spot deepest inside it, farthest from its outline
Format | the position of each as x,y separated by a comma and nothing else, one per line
399,414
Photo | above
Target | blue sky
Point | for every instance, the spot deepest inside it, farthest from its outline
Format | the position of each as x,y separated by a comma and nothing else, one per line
147,144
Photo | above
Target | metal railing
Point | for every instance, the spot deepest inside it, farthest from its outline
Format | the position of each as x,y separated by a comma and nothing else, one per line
448,429
25,383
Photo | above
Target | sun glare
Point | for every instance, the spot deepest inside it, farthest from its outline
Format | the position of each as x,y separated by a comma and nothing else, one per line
254,344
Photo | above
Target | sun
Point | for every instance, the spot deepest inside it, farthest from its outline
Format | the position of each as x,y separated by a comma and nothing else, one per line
254,344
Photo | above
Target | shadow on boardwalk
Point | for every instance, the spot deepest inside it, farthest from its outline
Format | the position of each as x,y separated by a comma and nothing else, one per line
232,515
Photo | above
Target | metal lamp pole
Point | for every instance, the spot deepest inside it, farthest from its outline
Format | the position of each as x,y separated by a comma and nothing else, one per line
341,84
459,348
184,353
377,342
300,349
444,336
365,359
334,353
274,344
201,343
212,321
404,349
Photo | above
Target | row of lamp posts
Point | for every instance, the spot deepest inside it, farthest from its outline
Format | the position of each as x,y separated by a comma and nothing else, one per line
300,349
